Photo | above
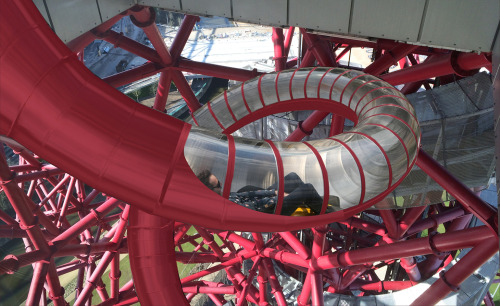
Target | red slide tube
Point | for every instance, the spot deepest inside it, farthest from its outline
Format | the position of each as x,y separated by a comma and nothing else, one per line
148,259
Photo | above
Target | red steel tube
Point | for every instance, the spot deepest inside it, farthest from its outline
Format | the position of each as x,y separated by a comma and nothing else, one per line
183,35
411,215
217,70
435,220
162,91
306,127
296,245
390,222
37,282
389,58
421,246
273,281
185,90
439,65
305,294
134,74
320,49
459,272
207,289
279,49
342,53
105,260
87,222
470,201
288,40
381,285
145,18
125,43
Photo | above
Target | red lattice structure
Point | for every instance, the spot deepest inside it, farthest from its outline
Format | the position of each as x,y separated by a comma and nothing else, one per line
52,108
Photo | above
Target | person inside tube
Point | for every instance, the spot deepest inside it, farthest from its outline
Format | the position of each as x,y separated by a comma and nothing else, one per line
297,194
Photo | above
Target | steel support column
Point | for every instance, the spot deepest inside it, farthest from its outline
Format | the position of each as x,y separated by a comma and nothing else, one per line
470,201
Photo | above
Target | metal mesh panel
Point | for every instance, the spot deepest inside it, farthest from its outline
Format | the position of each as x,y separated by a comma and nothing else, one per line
457,130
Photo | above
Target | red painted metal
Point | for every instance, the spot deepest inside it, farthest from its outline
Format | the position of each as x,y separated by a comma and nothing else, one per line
279,49
162,91
470,201
451,279
420,246
288,40
145,18
391,57
452,63
52,235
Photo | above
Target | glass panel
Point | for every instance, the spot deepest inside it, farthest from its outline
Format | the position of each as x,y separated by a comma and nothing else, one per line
364,90
298,82
255,173
357,107
387,100
303,179
391,110
342,82
392,146
235,100
327,83
268,89
313,82
372,162
355,84
207,151
284,85
205,119
397,127
343,173
220,110
252,95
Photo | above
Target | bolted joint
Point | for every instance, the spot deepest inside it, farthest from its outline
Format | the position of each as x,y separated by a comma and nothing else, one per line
433,247
14,261
146,23
115,277
59,296
455,65
454,288
308,133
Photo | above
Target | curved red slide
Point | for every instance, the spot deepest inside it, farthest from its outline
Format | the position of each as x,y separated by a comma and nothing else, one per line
54,106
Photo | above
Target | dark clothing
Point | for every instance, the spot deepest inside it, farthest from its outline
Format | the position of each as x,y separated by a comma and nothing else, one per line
257,199
265,200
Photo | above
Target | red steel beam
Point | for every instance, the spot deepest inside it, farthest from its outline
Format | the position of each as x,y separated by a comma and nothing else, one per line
288,40
469,200
452,63
420,246
279,49
162,91
217,71
144,17
182,36
390,58
451,279
121,41
185,90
